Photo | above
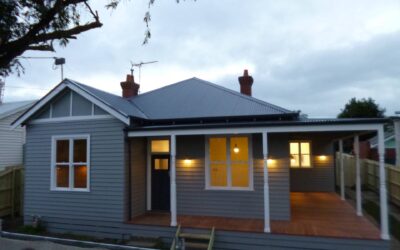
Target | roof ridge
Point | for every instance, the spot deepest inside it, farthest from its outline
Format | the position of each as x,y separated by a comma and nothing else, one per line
85,85
163,87
250,98
136,106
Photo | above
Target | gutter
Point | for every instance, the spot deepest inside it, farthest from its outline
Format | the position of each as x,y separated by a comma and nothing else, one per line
259,124
70,242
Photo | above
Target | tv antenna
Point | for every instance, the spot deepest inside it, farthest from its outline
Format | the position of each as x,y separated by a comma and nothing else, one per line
139,65
57,61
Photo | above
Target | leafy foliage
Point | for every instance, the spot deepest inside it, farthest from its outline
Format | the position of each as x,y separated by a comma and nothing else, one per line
363,108
36,24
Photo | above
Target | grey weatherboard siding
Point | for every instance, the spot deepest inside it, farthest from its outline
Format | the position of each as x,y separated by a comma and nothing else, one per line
321,176
105,201
193,199
138,147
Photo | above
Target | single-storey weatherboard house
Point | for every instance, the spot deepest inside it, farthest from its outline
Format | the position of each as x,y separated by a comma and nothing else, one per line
11,140
197,155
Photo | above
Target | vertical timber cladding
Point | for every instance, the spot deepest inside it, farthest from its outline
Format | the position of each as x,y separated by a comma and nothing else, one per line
320,177
138,158
104,203
193,199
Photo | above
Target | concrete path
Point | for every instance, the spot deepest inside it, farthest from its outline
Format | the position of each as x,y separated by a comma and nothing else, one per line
10,244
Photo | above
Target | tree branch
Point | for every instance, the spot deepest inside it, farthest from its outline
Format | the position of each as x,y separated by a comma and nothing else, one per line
44,47
69,34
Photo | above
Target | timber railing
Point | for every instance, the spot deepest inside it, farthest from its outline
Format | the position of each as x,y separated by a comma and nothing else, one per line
11,191
370,175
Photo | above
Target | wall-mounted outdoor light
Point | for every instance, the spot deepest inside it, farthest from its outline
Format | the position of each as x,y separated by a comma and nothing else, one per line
187,162
236,149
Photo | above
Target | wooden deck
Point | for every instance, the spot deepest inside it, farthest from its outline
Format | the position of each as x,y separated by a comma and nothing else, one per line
312,214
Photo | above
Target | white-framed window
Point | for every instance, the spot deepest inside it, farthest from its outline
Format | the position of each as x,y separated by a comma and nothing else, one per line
229,163
300,154
70,163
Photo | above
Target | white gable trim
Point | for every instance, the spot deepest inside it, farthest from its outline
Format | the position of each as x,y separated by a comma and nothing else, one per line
71,118
122,117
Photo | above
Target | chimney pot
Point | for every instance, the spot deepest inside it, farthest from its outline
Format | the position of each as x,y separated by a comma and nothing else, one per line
129,87
246,81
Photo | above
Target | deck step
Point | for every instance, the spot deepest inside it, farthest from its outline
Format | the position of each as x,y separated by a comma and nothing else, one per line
196,245
193,240
195,236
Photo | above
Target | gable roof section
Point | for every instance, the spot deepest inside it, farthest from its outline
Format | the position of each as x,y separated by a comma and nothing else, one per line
189,99
9,108
112,100
102,99
196,98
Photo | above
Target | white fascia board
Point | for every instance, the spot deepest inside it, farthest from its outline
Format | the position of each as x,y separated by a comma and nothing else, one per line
38,105
57,90
268,129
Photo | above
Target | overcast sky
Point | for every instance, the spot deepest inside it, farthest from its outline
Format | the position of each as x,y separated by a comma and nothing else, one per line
311,56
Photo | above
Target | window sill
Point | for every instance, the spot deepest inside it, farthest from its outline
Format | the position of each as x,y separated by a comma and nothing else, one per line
228,189
70,189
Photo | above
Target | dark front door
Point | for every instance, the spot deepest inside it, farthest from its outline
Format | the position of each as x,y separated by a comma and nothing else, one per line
160,185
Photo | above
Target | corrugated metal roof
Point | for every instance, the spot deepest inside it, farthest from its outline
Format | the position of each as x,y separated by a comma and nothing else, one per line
9,108
114,101
196,98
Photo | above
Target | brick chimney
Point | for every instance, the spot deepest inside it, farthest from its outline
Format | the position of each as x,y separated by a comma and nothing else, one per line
245,83
129,87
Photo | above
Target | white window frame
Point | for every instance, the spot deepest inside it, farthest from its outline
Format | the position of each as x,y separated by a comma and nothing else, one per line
71,163
311,154
228,163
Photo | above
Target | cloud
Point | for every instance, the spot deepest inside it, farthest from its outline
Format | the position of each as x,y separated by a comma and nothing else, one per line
308,55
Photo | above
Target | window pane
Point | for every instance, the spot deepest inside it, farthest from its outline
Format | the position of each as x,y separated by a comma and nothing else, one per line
62,176
305,148
161,164
294,161
80,176
294,148
218,175
62,151
80,150
160,146
217,149
239,148
305,161
240,175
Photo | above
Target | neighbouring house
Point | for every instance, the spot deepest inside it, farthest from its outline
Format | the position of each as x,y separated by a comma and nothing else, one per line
390,148
11,141
193,154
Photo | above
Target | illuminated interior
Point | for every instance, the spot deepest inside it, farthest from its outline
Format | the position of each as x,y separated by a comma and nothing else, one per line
80,176
161,164
62,173
78,163
237,156
160,146
62,151
300,155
